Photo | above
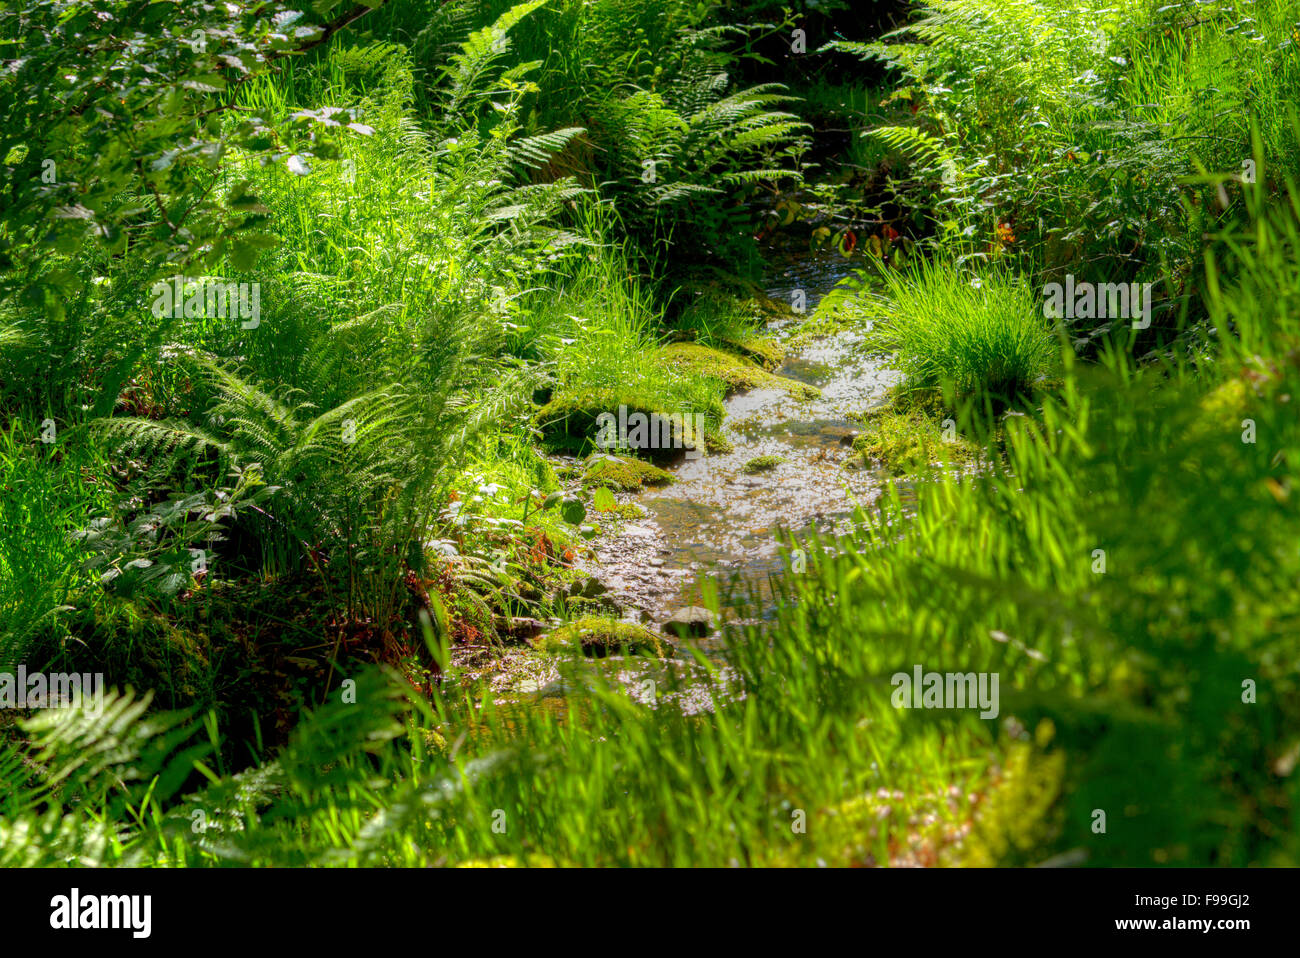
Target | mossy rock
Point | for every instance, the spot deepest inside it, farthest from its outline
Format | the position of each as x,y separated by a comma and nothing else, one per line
927,402
583,605
903,444
717,442
911,434
571,422
764,350
761,464
623,474
770,308
598,637
912,443
735,372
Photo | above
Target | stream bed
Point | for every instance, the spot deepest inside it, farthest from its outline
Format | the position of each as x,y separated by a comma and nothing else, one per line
715,521
717,524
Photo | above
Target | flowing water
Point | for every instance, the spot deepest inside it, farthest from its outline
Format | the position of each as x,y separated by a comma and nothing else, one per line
715,522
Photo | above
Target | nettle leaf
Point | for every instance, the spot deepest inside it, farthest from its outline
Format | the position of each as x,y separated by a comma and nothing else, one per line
573,511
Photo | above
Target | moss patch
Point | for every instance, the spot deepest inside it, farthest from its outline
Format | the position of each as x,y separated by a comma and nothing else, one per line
717,442
600,605
911,434
599,637
1227,402
735,372
623,474
761,464
764,350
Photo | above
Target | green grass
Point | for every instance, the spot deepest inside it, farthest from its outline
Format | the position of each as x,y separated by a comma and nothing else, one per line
980,334
46,497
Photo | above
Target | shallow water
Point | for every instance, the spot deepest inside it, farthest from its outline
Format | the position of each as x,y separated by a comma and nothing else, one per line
717,523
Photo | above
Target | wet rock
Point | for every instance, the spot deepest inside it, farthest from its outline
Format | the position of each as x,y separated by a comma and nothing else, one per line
599,605
519,627
690,621
843,434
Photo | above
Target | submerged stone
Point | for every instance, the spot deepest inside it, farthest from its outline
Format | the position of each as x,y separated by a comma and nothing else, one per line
690,621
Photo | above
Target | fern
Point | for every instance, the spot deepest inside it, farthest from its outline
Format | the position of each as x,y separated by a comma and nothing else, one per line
469,68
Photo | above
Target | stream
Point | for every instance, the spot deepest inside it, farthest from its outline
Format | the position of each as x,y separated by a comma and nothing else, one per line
717,523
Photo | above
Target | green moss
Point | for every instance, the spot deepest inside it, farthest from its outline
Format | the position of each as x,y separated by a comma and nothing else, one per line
761,464
764,350
569,422
1020,815
624,474
600,605
629,510
911,434
717,442
737,373
599,637
1227,402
